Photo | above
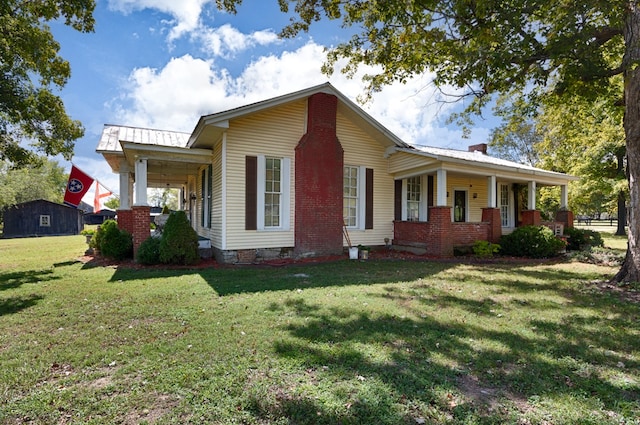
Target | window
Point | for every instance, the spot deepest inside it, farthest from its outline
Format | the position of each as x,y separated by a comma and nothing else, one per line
267,193
414,191
504,205
272,192
351,196
206,191
459,206
45,221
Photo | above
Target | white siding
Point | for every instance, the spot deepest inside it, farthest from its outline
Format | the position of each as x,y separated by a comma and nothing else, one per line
361,150
274,132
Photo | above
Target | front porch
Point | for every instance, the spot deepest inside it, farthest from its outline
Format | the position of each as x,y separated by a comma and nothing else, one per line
440,236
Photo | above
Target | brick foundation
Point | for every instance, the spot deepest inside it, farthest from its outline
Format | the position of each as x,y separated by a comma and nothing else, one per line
318,175
434,236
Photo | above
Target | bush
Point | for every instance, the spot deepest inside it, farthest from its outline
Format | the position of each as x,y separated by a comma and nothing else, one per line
531,241
149,251
581,239
179,243
114,242
485,249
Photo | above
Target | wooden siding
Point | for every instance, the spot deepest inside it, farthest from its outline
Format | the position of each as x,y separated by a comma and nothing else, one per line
23,220
361,150
274,132
405,163
471,185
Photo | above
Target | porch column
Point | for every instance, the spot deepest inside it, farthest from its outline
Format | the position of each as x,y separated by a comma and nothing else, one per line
564,197
531,202
125,187
441,197
141,182
491,192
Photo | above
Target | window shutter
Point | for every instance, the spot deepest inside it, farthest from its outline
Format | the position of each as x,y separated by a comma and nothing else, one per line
368,220
251,193
397,200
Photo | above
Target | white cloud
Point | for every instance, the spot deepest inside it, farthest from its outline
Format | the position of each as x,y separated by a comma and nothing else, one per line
226,40
175,96
185,13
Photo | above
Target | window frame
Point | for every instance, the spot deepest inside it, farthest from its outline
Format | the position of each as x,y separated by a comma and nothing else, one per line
285,193
45,220
360,197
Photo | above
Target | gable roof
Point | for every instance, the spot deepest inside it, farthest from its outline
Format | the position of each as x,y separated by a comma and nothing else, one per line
216,123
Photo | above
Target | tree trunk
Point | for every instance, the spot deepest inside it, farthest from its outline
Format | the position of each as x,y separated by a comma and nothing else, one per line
622,214
630,271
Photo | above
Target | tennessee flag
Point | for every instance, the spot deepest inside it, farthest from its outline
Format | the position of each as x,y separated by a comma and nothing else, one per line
78,184
99,199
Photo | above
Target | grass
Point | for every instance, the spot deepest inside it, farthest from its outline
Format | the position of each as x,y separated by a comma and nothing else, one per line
349,342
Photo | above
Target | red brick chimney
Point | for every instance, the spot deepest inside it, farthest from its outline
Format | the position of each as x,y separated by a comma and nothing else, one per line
482,147
319,173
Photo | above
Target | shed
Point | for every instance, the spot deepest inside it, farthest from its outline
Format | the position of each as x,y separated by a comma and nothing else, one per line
41,218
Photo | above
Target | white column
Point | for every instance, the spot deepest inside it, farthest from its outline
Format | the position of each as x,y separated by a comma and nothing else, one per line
125,190
141,182
491,192
441,184
564,197
531,202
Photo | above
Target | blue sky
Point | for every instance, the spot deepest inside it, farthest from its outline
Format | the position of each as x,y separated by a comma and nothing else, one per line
164,63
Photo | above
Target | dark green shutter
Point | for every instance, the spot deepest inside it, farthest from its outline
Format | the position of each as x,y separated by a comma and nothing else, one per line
251,193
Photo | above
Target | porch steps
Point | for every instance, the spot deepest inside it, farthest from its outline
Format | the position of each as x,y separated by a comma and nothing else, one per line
204,247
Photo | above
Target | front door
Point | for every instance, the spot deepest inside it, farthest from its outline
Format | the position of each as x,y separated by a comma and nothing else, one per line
459,206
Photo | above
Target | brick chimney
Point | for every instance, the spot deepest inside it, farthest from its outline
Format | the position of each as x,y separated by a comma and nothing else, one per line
318,174
482,147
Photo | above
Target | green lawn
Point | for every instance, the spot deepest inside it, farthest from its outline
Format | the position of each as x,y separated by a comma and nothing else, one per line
349,342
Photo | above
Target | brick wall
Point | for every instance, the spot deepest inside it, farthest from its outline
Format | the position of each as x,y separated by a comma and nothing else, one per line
565,217
141,226
465,234
491,216
125,220
435,236
531,218
318,176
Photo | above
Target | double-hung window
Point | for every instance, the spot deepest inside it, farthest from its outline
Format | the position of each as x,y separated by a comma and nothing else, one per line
414,198
351,198
273,183
272,192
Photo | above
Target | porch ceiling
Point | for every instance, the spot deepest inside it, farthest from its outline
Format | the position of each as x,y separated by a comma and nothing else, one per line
166,166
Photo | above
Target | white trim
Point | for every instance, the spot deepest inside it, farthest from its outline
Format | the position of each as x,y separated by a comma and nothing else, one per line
285,197
510,218
441,184
492,192
405,207
223,161
531,198
424,198
466,204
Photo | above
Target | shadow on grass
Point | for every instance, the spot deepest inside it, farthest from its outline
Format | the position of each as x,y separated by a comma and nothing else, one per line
388,369
16,279
15,304
255,279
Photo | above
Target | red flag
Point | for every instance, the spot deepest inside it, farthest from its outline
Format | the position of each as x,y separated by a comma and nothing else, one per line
98,200
77,186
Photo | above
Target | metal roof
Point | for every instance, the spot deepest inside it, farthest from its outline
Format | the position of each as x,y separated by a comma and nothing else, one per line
113,135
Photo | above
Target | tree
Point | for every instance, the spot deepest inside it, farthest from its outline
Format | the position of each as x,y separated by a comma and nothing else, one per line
481,48
583,138
31,71
41,181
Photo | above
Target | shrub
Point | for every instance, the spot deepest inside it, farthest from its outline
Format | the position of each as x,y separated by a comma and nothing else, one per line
531,241
581,239
485,249
179,243
149,251
114,242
